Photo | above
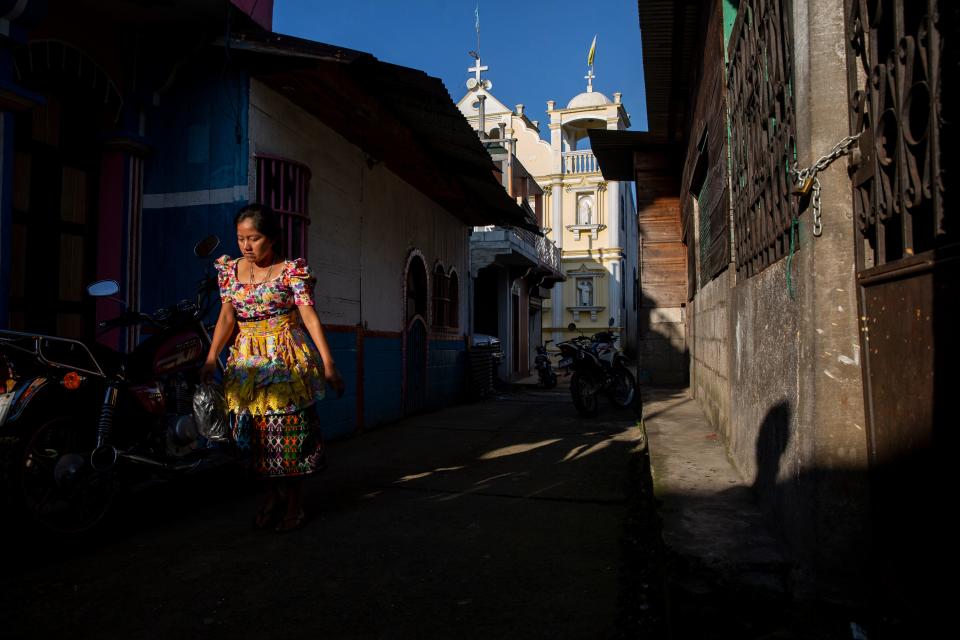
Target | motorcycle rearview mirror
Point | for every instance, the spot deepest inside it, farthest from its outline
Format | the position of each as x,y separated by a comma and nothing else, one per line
572,327
206,246
103,288
610,324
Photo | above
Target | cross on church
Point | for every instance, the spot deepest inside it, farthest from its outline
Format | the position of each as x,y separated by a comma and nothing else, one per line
478,69
589,77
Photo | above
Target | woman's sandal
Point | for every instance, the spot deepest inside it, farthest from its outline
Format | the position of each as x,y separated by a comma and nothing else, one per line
291,523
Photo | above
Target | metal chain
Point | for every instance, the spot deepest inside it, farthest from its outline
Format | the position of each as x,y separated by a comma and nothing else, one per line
802,176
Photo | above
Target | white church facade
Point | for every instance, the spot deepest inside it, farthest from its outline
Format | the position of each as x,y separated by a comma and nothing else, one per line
593,221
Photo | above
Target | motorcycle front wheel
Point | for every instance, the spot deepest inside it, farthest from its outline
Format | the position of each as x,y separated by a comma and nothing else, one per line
584,395
623,389
548,379
57,486
551,381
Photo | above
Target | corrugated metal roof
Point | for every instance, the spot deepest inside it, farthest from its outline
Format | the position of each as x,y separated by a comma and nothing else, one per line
400,116
668,30
614,150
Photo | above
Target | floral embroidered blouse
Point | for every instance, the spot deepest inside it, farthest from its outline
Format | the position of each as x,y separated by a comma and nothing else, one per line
254,301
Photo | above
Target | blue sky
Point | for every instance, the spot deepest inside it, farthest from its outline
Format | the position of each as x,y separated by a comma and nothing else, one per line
536,50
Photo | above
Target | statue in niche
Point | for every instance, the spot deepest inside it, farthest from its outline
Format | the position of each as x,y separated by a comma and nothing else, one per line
586,293
585,210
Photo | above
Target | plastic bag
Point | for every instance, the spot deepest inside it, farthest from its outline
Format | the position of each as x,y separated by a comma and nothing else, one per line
210,413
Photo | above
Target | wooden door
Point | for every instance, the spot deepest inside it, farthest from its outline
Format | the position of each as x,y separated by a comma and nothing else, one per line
56,167
416,369
908,267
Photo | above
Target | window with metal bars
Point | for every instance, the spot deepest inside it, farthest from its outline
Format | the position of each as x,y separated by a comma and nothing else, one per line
284,186
446,298
760,91
703,221
899,55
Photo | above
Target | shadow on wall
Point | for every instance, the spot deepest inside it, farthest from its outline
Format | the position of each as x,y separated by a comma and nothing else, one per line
820,512
818,520
772,442
662,355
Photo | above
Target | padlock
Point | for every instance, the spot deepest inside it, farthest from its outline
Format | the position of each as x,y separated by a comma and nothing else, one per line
804,188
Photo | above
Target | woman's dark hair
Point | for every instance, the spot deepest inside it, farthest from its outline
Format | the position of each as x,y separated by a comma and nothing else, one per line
265,220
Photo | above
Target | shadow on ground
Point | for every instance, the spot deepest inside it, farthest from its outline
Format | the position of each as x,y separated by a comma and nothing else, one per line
510,518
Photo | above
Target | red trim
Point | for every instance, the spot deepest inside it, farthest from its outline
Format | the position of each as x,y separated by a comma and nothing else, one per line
434,337
340,328
382,334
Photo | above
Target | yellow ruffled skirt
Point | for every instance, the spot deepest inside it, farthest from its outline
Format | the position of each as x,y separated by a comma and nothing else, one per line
272,368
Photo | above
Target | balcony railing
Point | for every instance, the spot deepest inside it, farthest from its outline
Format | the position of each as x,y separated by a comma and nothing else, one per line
545,250
579,162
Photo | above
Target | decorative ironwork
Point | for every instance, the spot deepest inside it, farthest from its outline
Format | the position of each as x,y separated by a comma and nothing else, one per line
284,186
896,56
762,149
547,252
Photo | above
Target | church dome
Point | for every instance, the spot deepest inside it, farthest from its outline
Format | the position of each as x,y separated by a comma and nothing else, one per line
589,99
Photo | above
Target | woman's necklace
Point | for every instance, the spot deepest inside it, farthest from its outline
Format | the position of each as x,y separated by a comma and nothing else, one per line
265,278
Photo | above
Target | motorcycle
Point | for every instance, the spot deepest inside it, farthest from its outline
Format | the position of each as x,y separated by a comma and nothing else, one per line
548,378
77,421
597,367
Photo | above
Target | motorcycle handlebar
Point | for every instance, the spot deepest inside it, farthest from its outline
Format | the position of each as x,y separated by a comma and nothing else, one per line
125,319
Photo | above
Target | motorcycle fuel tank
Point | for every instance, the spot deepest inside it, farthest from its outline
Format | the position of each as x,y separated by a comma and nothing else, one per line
179,351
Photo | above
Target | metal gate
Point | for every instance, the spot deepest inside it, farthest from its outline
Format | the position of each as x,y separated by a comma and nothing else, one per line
416,366
908,261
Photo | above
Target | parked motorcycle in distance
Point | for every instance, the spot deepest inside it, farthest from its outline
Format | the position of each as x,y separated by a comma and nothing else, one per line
598,367
77,421
548,377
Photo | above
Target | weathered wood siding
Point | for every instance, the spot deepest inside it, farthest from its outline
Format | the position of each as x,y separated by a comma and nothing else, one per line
663,278
705,170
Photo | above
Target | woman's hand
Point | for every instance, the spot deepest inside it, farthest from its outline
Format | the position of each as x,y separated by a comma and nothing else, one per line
334,379
207,371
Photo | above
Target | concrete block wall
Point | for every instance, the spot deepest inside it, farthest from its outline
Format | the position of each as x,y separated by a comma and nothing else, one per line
709,338
662,348
769,438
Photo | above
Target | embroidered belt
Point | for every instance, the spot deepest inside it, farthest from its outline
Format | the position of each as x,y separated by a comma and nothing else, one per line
270,324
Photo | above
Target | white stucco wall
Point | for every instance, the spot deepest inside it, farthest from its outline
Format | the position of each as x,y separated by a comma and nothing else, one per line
364,220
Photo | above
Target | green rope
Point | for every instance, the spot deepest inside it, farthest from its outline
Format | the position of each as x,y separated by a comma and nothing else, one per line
794,226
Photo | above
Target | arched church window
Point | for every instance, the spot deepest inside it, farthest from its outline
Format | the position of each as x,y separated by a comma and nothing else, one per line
284,185
585,212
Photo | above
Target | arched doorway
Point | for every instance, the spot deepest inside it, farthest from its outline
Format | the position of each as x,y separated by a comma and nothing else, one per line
415,334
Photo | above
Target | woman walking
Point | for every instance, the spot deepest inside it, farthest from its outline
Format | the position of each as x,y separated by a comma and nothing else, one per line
274,377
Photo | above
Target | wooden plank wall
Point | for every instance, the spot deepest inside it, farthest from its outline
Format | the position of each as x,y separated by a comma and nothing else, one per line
708,126
663,277
662,348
